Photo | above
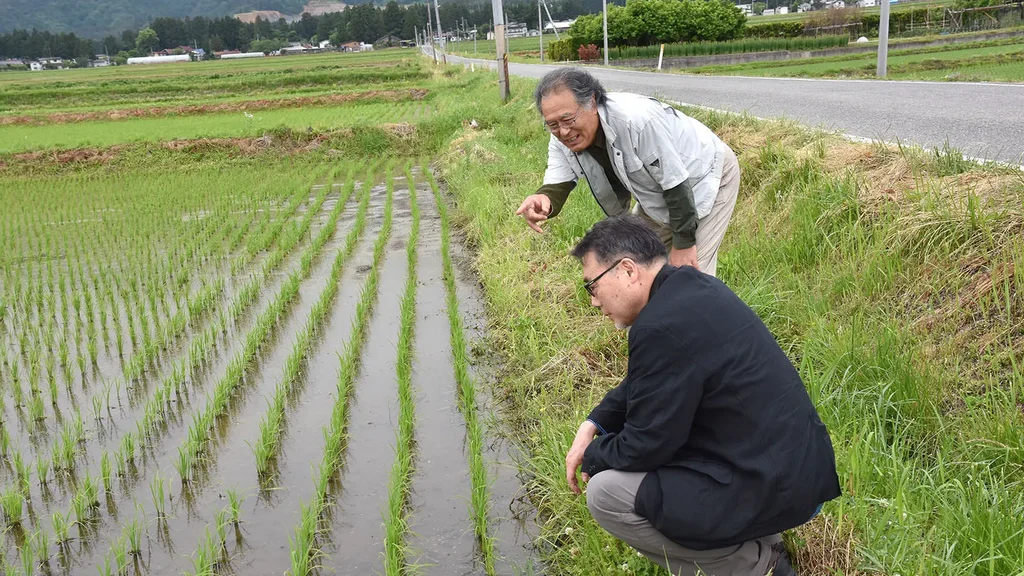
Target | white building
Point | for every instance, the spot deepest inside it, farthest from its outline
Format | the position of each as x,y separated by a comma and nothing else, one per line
35,66
768,12
747,9
325,44
515,30
160,59
559,25
782,10
242,55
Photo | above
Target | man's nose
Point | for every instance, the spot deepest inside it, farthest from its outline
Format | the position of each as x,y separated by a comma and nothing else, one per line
563,131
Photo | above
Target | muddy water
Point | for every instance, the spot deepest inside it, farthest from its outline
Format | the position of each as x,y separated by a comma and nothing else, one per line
512,517
358,536
229,454
442,538
232,464
270,515
164,449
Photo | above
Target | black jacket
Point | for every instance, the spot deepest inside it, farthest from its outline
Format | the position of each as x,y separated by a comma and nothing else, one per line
713,410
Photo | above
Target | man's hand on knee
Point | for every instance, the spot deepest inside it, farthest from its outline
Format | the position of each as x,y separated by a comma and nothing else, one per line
574,459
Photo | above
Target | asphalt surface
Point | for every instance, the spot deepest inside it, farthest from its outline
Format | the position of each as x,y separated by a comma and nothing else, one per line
983,120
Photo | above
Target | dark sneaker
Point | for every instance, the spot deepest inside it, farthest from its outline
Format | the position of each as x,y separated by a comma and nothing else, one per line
780,565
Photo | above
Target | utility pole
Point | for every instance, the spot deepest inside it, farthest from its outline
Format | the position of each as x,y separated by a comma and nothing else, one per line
883,40
430,35
440,36
540,28
604,6
546,9
499,45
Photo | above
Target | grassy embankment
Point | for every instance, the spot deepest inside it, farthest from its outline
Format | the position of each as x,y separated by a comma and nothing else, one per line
993,60
892,278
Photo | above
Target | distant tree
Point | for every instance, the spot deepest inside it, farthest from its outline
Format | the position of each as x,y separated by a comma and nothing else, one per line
266,46
393,18
758,8
306,27
147,40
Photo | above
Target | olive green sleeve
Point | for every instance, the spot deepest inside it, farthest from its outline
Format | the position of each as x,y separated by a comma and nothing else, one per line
558,193
682,215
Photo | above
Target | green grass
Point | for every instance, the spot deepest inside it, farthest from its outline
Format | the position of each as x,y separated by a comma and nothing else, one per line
901,65
910,359
20,138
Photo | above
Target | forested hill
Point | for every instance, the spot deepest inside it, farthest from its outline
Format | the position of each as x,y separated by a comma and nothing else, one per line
97,18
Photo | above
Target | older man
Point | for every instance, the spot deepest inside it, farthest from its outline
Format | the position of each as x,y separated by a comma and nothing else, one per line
683,177
710,447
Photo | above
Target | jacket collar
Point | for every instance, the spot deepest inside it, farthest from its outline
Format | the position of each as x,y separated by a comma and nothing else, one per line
659,279
609,131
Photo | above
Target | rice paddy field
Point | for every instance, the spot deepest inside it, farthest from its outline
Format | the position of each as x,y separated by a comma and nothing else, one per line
317,341
235,338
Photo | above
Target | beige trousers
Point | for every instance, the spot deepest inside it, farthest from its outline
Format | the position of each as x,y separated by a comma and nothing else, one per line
711,228
610,497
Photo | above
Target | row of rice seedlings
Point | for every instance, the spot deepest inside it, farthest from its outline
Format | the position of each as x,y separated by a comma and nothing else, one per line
217,401
480,500
155,412
158,406
272,425
396,518
304,546
268,235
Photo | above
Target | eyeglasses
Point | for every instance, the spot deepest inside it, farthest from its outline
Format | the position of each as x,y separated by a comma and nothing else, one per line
567,123
589,286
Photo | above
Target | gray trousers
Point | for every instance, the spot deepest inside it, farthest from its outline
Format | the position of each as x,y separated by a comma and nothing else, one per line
610,498
711,228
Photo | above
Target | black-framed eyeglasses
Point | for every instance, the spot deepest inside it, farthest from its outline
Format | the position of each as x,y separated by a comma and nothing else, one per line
567,123
589,286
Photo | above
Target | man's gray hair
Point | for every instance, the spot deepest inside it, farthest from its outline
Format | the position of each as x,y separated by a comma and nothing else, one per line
576,80
626,236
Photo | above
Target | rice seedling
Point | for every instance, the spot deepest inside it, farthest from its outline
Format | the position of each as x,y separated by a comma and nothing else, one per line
5,442
36,409
106,569
13,502
119,551
234,505
220,521
41,543
22,473
42,469
28,558
157,489
61,525
133,537
105,472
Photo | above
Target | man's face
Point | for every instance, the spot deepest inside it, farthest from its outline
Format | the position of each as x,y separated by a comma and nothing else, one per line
574,125
615,291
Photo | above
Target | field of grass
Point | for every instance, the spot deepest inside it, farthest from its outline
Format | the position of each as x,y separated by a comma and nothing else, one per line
972,61
792,17
185,296
891,276
211,349
486,48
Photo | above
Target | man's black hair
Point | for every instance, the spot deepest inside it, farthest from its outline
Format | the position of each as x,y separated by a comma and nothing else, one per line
626,236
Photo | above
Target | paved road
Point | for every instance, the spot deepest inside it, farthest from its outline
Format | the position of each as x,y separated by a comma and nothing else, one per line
982,120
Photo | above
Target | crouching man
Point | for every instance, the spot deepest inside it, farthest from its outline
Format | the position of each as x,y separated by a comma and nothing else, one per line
710,447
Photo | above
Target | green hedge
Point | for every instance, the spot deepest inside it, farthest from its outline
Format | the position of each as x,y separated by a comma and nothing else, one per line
731,47
564,49
790,29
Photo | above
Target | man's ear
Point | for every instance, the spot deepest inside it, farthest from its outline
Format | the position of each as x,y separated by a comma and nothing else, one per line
632,270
